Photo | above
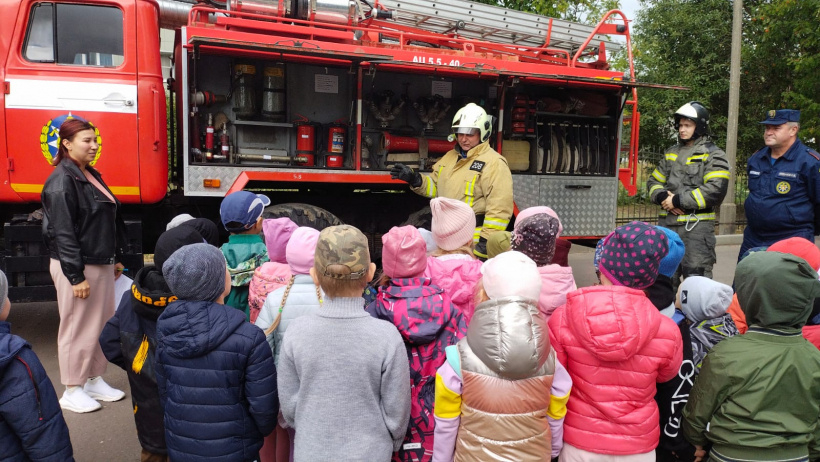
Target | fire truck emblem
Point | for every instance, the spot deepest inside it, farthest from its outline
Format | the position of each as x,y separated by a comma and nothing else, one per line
783,187
50,137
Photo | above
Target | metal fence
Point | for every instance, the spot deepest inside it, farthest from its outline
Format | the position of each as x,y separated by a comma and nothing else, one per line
639,207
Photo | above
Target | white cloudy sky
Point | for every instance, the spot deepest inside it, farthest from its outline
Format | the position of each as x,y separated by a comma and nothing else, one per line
630,7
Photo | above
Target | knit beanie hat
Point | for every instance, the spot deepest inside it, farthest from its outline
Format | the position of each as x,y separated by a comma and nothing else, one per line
178,220
277,233
702,298
404,253
632,254
599,250
453,223
172,240
535,237
511,274
669,263
528,212
428,239
799,247
196,272
498,243
301,249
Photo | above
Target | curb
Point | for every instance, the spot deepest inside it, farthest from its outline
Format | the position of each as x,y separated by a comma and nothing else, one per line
729,239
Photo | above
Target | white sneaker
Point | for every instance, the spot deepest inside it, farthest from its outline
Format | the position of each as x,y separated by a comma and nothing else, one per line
101,391
76,400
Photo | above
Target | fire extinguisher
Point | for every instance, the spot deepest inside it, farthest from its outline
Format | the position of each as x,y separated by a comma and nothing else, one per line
209,138
306,142
335,145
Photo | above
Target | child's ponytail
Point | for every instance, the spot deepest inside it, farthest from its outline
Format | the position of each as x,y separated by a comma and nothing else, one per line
278,319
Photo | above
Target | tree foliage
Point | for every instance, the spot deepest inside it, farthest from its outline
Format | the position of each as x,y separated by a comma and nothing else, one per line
688,42
585,11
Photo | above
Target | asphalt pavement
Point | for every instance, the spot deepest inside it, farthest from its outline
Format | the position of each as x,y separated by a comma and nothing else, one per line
110,435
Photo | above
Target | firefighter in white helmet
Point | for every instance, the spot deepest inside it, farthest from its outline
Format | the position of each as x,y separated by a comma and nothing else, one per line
689,184
472,172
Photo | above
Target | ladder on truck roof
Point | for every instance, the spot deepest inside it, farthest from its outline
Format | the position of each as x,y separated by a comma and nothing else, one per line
490,23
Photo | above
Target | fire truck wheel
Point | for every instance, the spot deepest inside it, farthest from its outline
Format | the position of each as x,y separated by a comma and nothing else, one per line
421,219
303,215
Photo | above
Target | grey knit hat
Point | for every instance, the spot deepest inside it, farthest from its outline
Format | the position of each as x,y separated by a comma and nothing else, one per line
4,288
196,272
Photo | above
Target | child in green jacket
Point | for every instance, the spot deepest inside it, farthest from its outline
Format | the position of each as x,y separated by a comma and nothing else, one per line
757,397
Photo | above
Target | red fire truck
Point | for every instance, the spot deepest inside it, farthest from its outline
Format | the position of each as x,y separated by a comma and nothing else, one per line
312,101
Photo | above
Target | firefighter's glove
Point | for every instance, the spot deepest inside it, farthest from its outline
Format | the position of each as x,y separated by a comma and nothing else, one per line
480,250
407,174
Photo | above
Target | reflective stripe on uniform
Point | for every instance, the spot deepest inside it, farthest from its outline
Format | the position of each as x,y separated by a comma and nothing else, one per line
659,176
716,174
469,191
697,157
699,198
431,189
654,188
684,217
476,234
494,223
671,156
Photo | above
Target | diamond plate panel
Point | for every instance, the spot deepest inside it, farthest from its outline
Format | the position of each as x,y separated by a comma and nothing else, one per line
587,206
526,190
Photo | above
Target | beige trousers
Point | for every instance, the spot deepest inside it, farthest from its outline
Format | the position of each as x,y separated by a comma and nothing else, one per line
82,321
572,454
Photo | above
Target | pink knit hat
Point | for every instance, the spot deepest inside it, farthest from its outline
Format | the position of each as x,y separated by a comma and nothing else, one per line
528,212
511,274
404,253
453,223
301,248
277,233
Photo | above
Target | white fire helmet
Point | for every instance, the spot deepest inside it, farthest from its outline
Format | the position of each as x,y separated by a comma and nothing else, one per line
472,116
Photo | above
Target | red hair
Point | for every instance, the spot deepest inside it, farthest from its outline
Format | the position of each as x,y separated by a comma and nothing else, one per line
68,130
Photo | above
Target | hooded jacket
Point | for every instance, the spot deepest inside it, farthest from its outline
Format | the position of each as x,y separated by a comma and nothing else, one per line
501,395
759,392
616,346
217,382
428,323
556,282
704,302
129,340
457,275
32,427
302,301
266,279
243,254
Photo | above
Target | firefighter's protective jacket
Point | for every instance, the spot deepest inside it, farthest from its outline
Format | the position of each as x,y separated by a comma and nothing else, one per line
697,174
482,180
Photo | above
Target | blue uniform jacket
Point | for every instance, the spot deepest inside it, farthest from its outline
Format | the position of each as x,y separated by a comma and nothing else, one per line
217,383
32,427
783,196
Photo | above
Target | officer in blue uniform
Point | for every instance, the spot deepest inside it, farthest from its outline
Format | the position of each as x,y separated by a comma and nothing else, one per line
784,184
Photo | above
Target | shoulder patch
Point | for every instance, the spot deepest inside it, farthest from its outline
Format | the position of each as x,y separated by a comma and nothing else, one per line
813,153
479,165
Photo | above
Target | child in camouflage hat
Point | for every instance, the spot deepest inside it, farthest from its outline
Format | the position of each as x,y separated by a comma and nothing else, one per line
366,419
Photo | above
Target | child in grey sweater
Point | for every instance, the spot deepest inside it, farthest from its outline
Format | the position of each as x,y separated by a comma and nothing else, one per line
344,381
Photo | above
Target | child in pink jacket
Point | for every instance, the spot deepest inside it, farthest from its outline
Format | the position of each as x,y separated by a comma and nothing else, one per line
276,272
535,237
616,346
453,267
427,321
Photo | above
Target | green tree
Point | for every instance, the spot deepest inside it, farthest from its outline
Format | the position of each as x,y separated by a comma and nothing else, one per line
584,11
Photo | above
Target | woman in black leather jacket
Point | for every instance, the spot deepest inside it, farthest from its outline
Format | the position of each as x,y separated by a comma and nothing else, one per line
83,228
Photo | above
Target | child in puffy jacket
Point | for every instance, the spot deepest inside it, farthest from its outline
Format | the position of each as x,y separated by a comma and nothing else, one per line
453,267
275,273
535,237
616,346
427,321
704,302
300,297
32,427
502,394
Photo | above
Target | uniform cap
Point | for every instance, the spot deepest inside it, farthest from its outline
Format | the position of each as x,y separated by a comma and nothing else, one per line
781,116
453,223
242,207
404,253
342,253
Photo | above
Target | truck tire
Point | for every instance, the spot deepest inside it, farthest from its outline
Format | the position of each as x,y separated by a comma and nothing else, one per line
420,219
303,215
